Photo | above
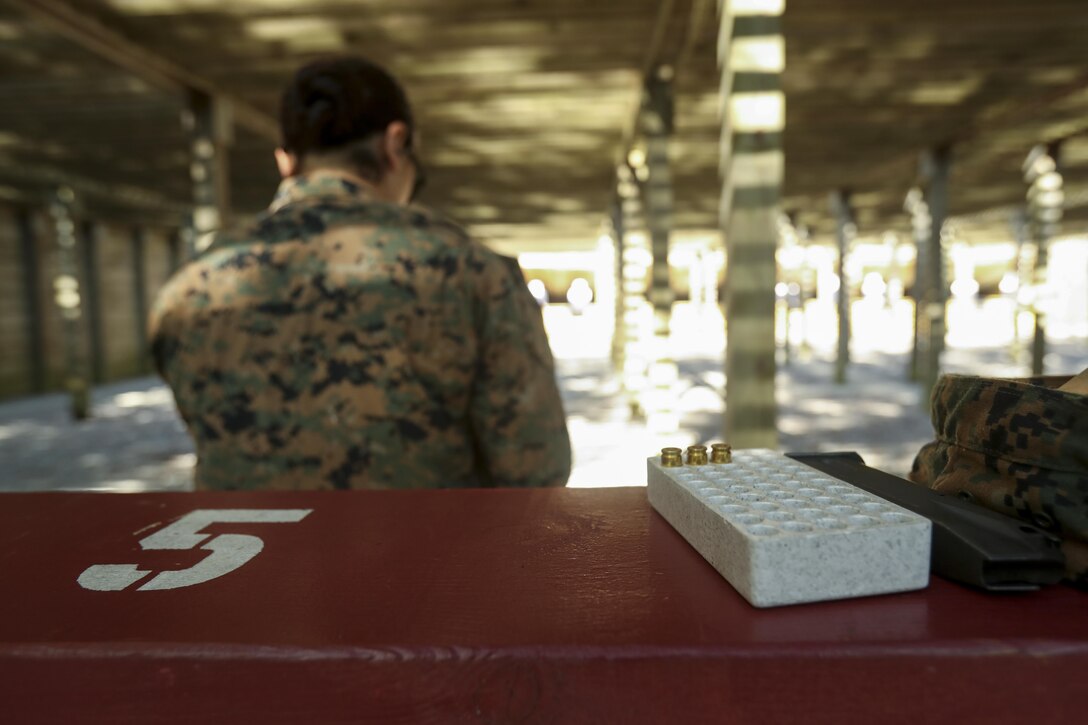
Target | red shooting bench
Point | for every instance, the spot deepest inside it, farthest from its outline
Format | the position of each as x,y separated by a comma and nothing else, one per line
496,606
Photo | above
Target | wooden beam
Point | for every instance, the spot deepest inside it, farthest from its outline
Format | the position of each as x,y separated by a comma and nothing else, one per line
659,54
113,194
1028,110
163,73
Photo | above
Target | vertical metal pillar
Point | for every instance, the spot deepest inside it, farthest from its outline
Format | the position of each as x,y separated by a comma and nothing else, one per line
1046,197
67,296
752,56
209,123
845,229
936,165
31,265
656,121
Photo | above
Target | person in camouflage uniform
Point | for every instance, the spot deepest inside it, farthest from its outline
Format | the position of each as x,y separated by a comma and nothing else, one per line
1018,447
349,339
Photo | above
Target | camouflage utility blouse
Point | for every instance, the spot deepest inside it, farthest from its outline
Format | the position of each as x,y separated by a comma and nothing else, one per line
1019,447
341,342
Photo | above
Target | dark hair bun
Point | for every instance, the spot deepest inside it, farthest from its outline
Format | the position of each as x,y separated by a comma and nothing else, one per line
334,102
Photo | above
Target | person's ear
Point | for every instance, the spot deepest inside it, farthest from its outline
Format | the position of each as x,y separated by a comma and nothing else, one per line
394,141
286,162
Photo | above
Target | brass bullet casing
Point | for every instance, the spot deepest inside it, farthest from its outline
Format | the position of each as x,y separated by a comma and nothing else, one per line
697,455
721,453
670,457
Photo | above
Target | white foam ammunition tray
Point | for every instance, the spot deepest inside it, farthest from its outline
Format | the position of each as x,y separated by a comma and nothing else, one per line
782,532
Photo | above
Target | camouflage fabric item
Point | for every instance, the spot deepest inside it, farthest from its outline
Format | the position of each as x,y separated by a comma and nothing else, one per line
346,343
1019,447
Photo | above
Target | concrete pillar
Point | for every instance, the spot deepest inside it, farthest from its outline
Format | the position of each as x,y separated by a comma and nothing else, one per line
752,57
208,121
656,121
1046,197
845,230
68,298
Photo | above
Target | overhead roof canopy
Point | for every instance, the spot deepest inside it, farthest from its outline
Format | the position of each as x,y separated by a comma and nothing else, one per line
525,106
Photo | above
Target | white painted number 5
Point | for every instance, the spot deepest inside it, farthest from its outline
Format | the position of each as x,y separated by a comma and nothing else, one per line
228,551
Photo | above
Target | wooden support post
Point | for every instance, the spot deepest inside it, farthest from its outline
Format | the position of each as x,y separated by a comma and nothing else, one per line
634,290
789,253
68,299
936,165
178,250
619,330
34,320
752,56
92,299
845,230
921,222
208,121
656,117
1046,198
1021,233
139,296
656,125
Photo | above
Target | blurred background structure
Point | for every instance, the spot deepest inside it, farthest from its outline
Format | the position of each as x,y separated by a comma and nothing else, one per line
769,222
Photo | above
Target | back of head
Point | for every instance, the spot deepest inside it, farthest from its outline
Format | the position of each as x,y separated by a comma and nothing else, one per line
335,106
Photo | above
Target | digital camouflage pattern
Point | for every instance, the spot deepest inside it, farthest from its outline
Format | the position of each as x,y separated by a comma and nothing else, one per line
343,343
1017,447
